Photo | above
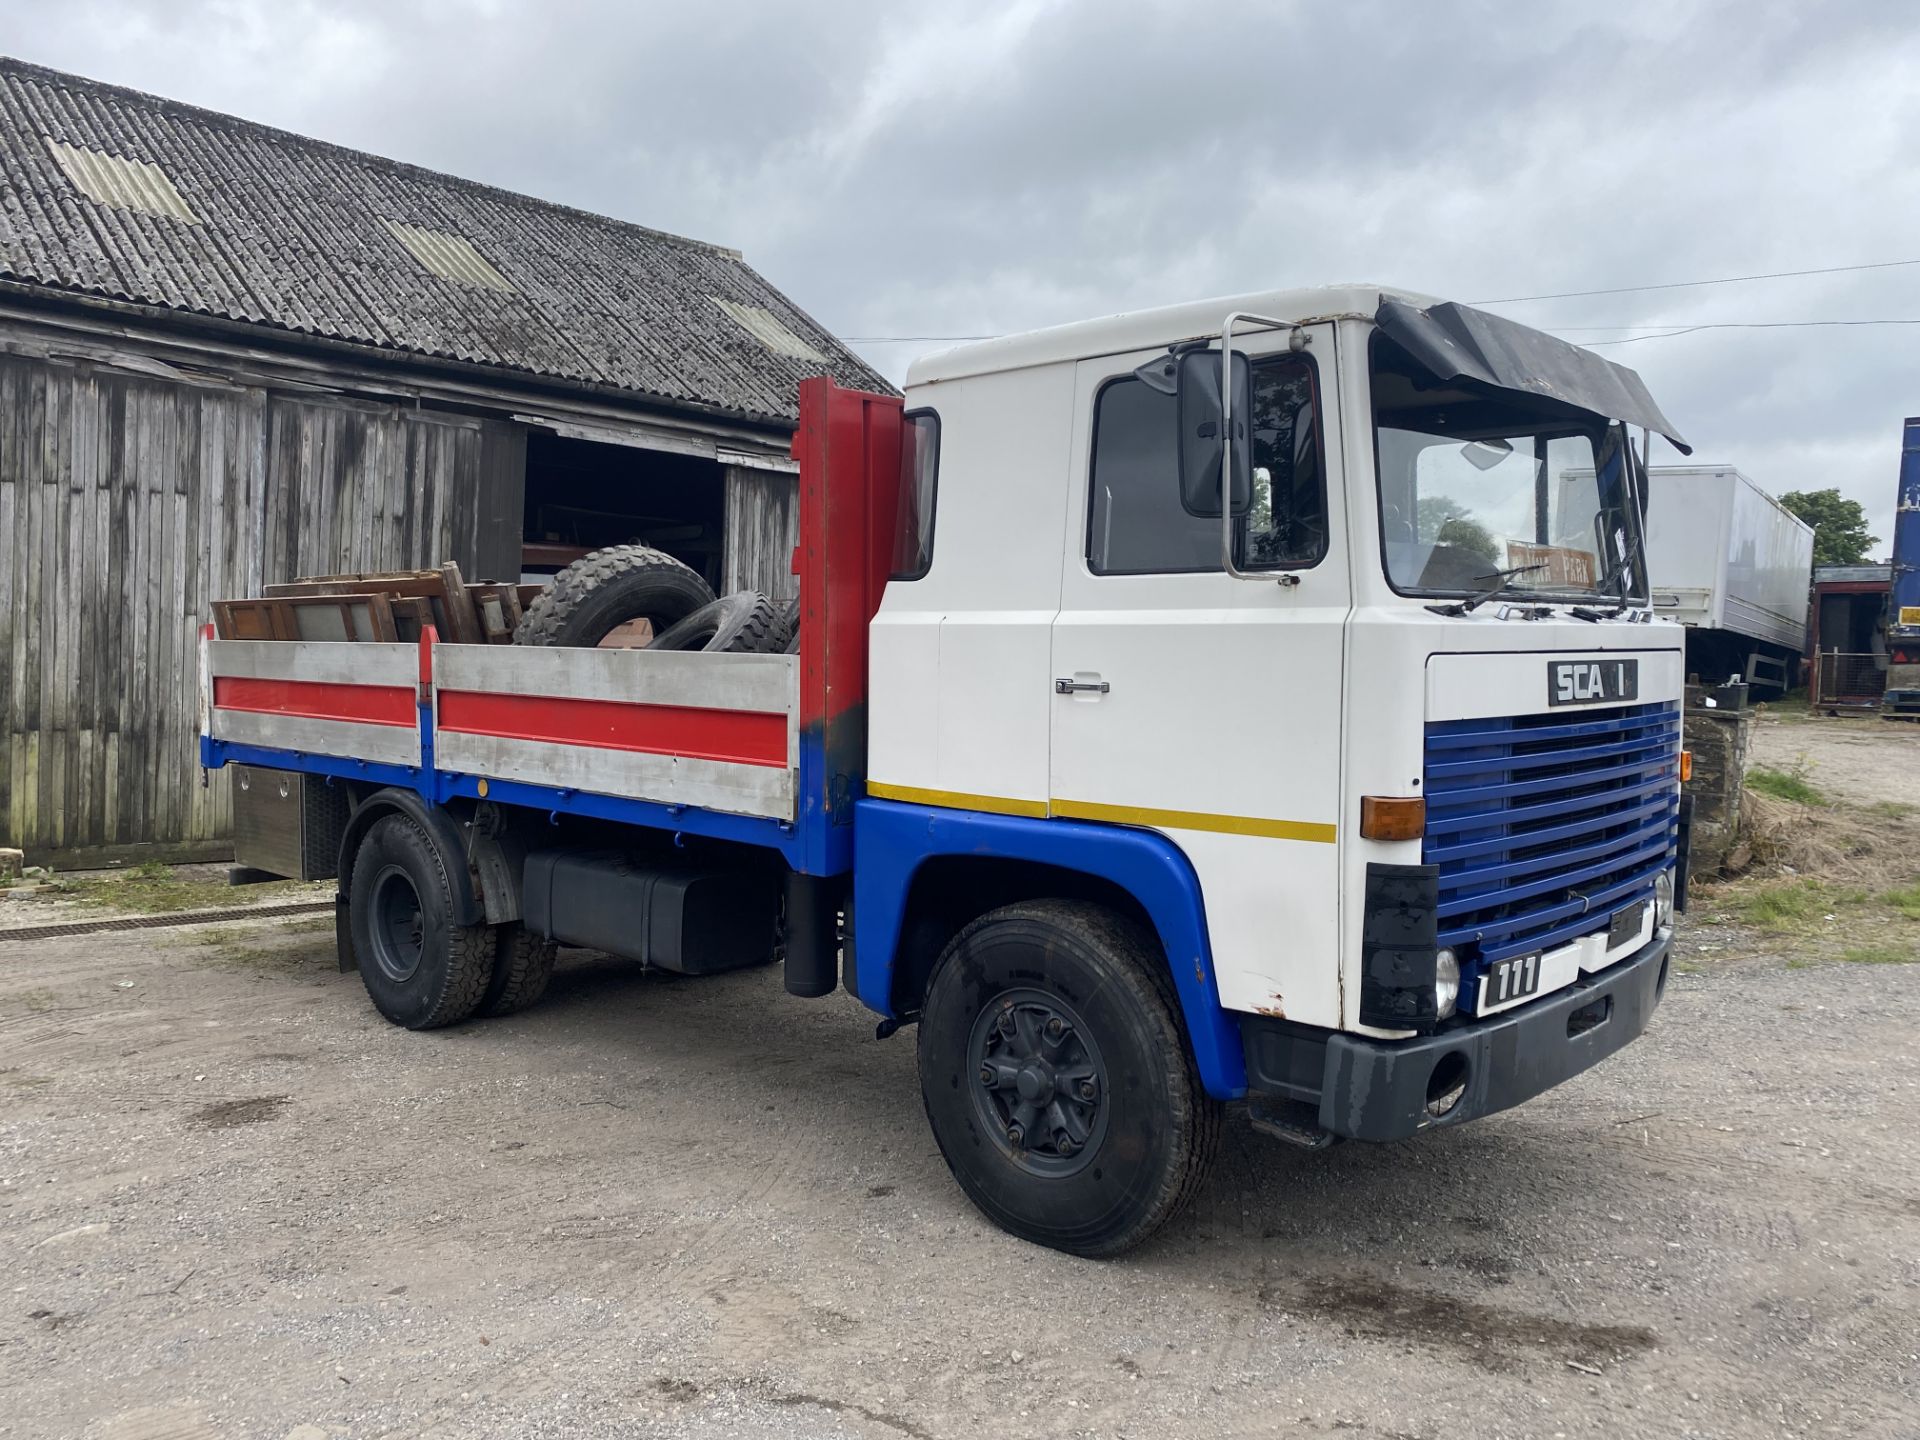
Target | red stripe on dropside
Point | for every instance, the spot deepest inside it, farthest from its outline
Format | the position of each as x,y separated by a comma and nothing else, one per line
317,700
742,737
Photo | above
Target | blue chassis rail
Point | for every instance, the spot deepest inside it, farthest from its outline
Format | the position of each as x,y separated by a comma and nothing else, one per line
893,840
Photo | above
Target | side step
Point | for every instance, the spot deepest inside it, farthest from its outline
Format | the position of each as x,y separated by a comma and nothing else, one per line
1294,1121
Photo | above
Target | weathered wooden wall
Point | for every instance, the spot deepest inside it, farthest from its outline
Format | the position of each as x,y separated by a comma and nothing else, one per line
763,526
127,503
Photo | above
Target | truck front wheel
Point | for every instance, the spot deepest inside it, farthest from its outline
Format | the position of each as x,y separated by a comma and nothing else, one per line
420,967
1057,1079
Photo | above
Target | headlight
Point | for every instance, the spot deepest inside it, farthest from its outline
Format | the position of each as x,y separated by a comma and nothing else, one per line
1663,899
1446,983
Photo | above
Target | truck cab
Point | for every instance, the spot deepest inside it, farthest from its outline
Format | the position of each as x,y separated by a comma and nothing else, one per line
1404,720
1252,700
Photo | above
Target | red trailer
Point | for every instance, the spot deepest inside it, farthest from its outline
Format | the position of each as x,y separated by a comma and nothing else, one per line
1847,636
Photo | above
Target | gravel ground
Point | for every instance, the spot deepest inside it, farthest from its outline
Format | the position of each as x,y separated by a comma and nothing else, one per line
1863,760
233,1202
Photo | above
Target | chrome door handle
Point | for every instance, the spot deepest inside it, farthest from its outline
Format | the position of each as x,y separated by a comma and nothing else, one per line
1076,687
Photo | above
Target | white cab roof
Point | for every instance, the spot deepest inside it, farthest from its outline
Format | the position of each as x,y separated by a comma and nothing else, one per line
1145,329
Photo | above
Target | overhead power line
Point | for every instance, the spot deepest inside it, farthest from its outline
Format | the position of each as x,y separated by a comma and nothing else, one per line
1693,284
1565,295
1742,325
1665,333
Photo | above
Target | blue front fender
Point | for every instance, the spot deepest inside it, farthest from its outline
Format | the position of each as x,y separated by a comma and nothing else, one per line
893,840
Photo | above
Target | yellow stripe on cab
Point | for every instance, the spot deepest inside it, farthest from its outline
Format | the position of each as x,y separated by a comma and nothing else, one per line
1109,814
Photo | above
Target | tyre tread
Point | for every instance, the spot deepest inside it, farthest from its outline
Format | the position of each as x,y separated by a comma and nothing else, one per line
470,948
577,586
744,623
522,966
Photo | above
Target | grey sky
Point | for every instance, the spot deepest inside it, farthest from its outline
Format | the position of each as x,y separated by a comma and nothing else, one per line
906,170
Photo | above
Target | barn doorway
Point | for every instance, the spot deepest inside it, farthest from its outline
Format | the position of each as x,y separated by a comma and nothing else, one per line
582,495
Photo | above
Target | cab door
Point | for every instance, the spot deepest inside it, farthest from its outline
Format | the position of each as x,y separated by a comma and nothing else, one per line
1204,706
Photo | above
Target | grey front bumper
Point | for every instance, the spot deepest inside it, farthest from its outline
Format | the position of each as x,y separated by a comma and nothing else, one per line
1380,1089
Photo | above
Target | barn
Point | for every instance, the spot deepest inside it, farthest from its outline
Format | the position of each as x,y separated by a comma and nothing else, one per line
230,356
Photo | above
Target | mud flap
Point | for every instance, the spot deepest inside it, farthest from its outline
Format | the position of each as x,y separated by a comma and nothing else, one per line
343,933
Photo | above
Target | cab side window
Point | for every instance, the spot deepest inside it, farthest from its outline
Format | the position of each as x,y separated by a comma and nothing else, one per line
1136,523
1286,527
919,483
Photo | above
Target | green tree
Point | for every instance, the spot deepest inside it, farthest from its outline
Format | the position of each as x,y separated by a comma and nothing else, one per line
1839,526
1442,520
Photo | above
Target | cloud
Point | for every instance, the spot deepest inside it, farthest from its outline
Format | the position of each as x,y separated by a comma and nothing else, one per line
907,169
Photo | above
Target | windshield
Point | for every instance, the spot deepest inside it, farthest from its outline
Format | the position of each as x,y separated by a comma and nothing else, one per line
1474,484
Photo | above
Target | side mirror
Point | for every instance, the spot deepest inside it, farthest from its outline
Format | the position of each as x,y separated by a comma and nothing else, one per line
1201,443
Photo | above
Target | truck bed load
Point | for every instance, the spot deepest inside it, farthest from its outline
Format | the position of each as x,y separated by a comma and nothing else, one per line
764,749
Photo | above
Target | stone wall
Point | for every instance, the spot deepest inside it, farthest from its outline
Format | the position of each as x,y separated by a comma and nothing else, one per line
1717,727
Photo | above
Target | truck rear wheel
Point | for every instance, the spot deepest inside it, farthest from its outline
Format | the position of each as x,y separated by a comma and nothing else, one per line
522,965
421,969
1057,1079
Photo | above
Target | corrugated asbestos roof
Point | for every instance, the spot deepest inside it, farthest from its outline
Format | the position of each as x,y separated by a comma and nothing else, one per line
110,192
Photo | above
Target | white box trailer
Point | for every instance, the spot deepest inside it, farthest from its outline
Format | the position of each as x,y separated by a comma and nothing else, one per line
1733,565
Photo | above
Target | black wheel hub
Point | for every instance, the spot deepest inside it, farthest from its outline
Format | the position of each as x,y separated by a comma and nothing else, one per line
399,925
1040,1086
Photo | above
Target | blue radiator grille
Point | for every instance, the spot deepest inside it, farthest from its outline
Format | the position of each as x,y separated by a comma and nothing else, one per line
1543,826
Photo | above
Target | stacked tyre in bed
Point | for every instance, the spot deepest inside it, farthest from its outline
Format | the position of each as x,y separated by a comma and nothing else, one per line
596,595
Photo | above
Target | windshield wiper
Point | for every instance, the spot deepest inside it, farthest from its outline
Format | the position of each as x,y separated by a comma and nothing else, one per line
1473,602
1615,578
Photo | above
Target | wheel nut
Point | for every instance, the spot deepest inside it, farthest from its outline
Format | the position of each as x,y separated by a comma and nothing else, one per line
1056,1027
1006,1021
1016,1137
1087,1090
987,1076
1063,1142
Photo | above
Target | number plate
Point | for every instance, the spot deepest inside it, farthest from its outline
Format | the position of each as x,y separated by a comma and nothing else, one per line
1626,924
1508,980
1592,682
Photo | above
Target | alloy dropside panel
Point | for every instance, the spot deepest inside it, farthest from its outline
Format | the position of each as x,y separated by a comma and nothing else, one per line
767,750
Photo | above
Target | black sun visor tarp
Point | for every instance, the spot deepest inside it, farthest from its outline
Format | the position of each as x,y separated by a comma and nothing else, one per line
1456,342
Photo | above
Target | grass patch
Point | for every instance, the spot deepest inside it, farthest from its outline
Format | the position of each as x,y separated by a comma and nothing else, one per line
1784,785
1891,809
1906,900
1795,907
1883,954
152,888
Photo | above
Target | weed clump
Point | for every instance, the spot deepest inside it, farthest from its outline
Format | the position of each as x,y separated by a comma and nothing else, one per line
1785,785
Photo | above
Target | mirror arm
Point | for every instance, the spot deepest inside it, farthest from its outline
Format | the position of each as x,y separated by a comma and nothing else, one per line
1298,341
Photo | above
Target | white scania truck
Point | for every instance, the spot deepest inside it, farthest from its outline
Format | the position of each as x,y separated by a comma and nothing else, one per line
1248,700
